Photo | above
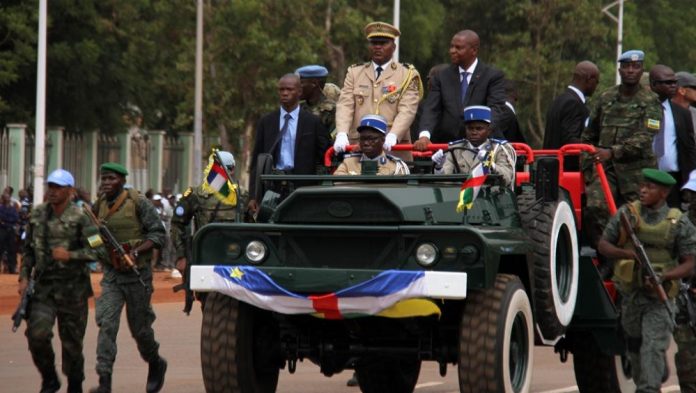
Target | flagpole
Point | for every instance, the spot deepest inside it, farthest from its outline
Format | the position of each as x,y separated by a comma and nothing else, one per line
40,132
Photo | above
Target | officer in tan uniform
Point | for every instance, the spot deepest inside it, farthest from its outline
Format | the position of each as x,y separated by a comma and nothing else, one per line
372,129
383,87
465,154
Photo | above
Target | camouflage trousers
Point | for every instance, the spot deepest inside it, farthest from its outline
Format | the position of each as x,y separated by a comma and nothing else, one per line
685,358
48,305
140,317
647,325
596,214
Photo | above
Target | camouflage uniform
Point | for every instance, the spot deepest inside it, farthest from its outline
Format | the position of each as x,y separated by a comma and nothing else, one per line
325,109
627,126
203,208
386,165
62,288
685,358
462,156
135,221
646,322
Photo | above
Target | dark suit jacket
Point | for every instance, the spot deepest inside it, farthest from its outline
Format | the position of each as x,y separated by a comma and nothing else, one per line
311,141
565,121
507,127
442,109
686,146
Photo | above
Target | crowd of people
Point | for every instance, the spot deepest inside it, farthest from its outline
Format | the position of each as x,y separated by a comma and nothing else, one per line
644,136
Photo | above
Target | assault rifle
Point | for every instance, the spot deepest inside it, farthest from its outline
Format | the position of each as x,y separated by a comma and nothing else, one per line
687,301
114,244
22,311
643,260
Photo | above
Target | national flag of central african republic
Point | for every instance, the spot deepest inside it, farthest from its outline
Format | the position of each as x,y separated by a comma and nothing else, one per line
218,183
392,293
472,185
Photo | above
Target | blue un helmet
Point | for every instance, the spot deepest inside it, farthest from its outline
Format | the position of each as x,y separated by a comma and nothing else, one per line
62,178
226,158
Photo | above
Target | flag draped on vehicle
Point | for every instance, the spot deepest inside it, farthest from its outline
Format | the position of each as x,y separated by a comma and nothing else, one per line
392,293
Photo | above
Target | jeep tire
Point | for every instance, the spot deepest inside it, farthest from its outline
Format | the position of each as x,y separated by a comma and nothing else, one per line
238,352
496,339
596,372
551,228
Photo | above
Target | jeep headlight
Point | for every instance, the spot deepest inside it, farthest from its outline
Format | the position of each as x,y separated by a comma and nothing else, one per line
256,251
426,254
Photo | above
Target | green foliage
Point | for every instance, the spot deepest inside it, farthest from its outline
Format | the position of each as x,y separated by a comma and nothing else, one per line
112,63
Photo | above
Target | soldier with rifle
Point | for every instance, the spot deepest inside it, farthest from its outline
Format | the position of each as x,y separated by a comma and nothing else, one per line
60,242
685,331
133,221
654,247
200,206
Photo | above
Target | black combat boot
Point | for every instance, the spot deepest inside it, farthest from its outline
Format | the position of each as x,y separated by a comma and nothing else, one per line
155,376
50,383
74,385
104,384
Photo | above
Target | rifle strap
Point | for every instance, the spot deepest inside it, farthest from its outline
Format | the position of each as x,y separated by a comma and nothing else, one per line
119,202
633,218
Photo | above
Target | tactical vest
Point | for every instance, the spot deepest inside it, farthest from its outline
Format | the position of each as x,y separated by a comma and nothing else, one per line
50,231
125,224
210,209
658,241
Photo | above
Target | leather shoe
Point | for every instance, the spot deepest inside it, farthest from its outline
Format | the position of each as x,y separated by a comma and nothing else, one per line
104,384
155,375
74,385
50,385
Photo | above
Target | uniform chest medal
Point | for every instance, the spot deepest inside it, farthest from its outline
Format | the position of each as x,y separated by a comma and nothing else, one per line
359,99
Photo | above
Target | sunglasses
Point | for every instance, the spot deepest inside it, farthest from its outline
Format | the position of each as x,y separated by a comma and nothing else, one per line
665,82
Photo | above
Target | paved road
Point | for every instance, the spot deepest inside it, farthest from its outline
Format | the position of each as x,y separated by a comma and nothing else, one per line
179,338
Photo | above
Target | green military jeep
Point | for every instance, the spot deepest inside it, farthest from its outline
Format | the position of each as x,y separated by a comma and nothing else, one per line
380,273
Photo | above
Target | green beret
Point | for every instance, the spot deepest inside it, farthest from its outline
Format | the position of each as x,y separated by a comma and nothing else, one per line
114,167
658,177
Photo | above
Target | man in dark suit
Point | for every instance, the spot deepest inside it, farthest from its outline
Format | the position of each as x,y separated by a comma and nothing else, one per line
295,138
507,126
467,81
674,145
567,116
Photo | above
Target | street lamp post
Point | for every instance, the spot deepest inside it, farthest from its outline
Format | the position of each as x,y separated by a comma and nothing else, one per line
619,36
198,105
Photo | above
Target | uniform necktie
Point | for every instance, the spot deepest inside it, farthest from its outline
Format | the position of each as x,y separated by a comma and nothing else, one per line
659,145
464,85
379,71
287,148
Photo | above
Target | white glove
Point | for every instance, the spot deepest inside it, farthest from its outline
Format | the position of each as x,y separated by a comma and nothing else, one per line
439,158
341,142
389,141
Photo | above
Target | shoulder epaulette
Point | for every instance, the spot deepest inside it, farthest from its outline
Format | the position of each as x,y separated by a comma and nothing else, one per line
463,140
187,192
349,155
499,141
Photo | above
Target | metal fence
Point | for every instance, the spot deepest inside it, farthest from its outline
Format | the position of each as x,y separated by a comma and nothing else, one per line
172,165
4,158
73,157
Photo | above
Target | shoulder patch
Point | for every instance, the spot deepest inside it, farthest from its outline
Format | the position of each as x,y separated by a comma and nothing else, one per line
653,124
187,192
179,211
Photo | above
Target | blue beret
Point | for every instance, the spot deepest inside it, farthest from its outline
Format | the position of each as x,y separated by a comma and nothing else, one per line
373,122
312,71
114,167
477,113
62,178
632,55
658,177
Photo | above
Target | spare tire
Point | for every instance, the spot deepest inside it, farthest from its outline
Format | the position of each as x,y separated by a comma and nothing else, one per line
551,228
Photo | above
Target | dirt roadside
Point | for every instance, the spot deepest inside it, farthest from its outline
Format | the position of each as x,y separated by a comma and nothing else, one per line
163,283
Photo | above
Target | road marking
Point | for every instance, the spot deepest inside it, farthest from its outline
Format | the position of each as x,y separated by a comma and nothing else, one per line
428,384
569,389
